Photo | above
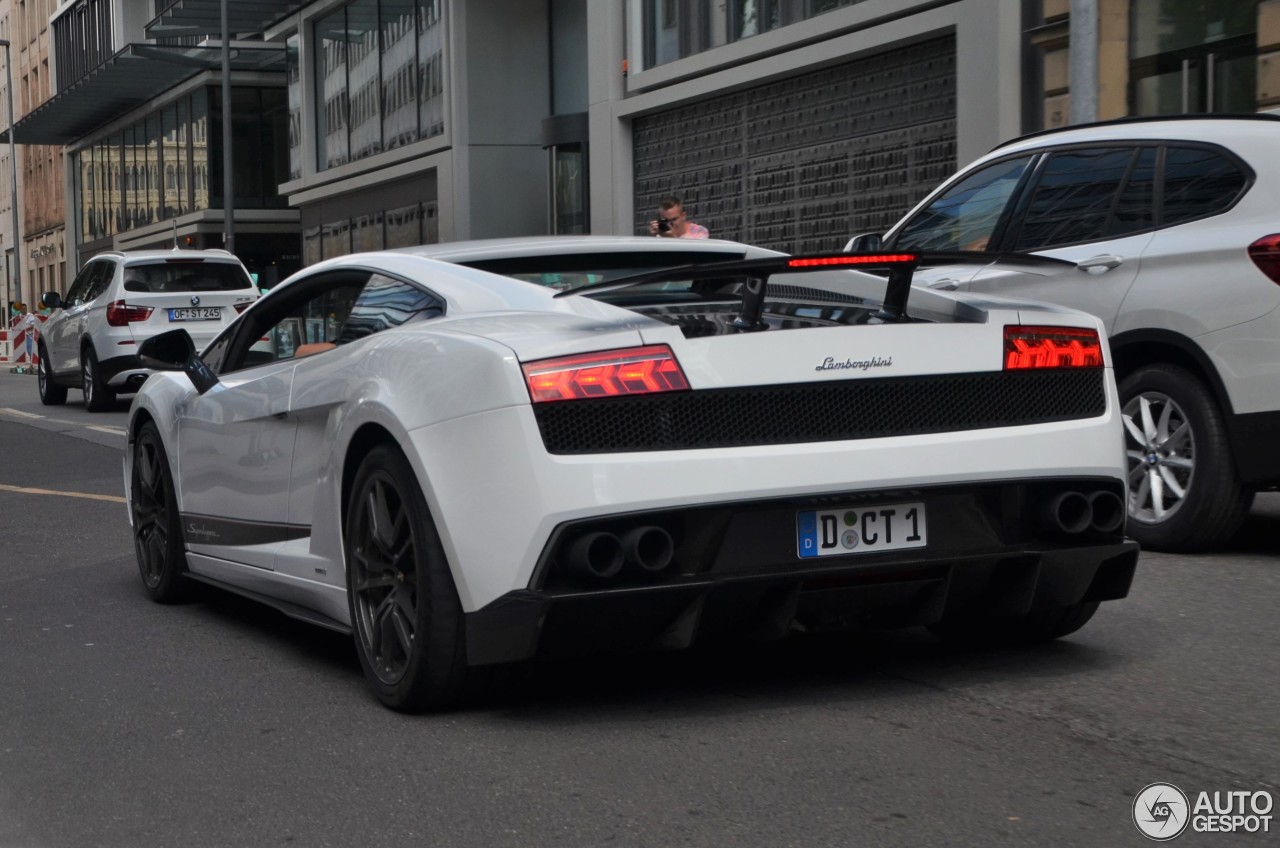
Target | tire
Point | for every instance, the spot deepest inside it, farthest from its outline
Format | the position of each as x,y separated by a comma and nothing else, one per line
1184,492
1037,626
98,396
406,618
157,527
51,394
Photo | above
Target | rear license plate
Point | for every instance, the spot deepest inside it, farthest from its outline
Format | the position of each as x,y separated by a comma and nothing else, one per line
860,530
196,313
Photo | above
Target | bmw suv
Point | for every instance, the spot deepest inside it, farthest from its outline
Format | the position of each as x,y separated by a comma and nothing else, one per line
1172,227
117,301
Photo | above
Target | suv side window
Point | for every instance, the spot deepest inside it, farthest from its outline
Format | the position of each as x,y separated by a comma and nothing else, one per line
80,284
1198,183
965,216
104,271
1073,197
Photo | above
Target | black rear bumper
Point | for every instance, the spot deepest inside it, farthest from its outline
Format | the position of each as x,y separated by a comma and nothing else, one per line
736,574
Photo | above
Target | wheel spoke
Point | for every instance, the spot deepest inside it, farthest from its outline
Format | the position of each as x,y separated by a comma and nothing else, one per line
1178,437
1172,482
1148,424
1180,462
380,521
403,632
1143,494
1157,494
386,580
1162,425
1134,432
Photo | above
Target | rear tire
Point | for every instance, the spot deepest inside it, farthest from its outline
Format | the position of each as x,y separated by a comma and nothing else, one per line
98,396
1037,626
51,394
157,527
406,617
1184,492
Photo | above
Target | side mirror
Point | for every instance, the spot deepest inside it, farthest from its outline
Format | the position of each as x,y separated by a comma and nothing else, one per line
51,299
864,243
174,351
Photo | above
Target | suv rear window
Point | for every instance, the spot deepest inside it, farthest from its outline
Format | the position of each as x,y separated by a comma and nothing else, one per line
1198,183
186,275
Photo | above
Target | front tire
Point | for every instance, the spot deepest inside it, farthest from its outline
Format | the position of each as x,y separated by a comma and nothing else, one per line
98,396
157,527
406,618
1184,492
51,394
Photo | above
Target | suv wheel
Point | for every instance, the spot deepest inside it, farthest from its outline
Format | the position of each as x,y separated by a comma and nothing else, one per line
97,395
1184,493
51,394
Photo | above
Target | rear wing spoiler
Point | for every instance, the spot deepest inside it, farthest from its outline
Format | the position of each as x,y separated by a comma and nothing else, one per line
755,273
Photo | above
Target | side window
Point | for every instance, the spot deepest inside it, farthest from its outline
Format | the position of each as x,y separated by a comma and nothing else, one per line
313,326
103,272
387,302
1072,199
80,284
298,321
1135,208
215,355
965,216
1197,183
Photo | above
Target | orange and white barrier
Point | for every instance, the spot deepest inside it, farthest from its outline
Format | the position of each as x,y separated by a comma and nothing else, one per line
18,344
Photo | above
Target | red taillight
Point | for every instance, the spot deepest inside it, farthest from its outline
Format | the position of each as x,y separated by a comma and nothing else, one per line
121,314
1265,253
1051,347
241,307
611,373
854,259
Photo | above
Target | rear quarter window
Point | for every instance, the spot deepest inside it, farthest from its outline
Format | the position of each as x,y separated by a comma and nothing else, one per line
186,276
1199,182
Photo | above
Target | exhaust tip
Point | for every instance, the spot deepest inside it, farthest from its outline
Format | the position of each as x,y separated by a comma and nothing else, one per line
595,556
1109,511
1069,512
649,548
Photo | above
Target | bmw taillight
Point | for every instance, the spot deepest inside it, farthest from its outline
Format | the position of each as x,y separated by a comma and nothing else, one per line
610,373
121,314
1265,253
1051,347
241,307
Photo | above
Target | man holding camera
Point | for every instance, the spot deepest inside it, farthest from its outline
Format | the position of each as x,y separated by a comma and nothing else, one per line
672,222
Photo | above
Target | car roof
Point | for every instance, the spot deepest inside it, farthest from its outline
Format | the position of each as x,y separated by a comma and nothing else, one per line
479,250
1213,128
131,257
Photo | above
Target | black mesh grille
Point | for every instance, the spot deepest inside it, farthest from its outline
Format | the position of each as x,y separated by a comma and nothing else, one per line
820,412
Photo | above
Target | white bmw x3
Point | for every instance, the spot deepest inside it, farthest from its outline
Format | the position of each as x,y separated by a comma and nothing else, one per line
120,299
467,470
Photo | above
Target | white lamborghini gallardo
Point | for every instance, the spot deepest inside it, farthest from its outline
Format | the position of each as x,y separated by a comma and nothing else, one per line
468,470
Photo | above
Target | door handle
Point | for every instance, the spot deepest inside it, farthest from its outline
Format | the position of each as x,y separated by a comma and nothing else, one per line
1100,264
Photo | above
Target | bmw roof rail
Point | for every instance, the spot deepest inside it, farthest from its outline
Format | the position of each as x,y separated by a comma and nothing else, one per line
1144,119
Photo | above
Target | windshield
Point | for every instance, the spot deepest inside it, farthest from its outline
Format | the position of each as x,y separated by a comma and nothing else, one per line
186,275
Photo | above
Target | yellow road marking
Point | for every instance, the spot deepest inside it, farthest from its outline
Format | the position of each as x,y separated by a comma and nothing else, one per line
24,490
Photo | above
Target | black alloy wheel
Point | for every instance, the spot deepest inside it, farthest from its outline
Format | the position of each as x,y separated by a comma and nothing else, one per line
97,395
51,394
157,527
405,614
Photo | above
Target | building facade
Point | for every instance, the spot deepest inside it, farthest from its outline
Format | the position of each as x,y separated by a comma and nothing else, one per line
794,124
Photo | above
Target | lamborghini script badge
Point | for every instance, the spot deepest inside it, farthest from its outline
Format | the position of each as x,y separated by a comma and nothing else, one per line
832,364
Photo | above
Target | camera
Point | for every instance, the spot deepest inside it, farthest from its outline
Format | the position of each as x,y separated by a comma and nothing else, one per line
663,225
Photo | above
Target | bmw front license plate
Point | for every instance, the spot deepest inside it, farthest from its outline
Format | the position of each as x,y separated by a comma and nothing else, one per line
196,313
860,530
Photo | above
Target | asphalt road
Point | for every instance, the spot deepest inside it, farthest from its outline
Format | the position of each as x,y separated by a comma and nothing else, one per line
219,723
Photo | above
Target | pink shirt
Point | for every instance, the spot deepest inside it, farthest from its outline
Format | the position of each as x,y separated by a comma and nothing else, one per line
692,230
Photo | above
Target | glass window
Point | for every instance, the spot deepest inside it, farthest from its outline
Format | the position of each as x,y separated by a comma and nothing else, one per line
387,302
200,150
182,157
332,142
364,78
311,252
103,271
569,198
186,275
151,179
309,327
1198,182
80,284
336,239
964,217
399,73
404,226
1072,199
1135,208
430,69
293,75
366,232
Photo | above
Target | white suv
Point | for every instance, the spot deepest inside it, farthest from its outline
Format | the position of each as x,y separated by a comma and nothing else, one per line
117,301
1173,225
